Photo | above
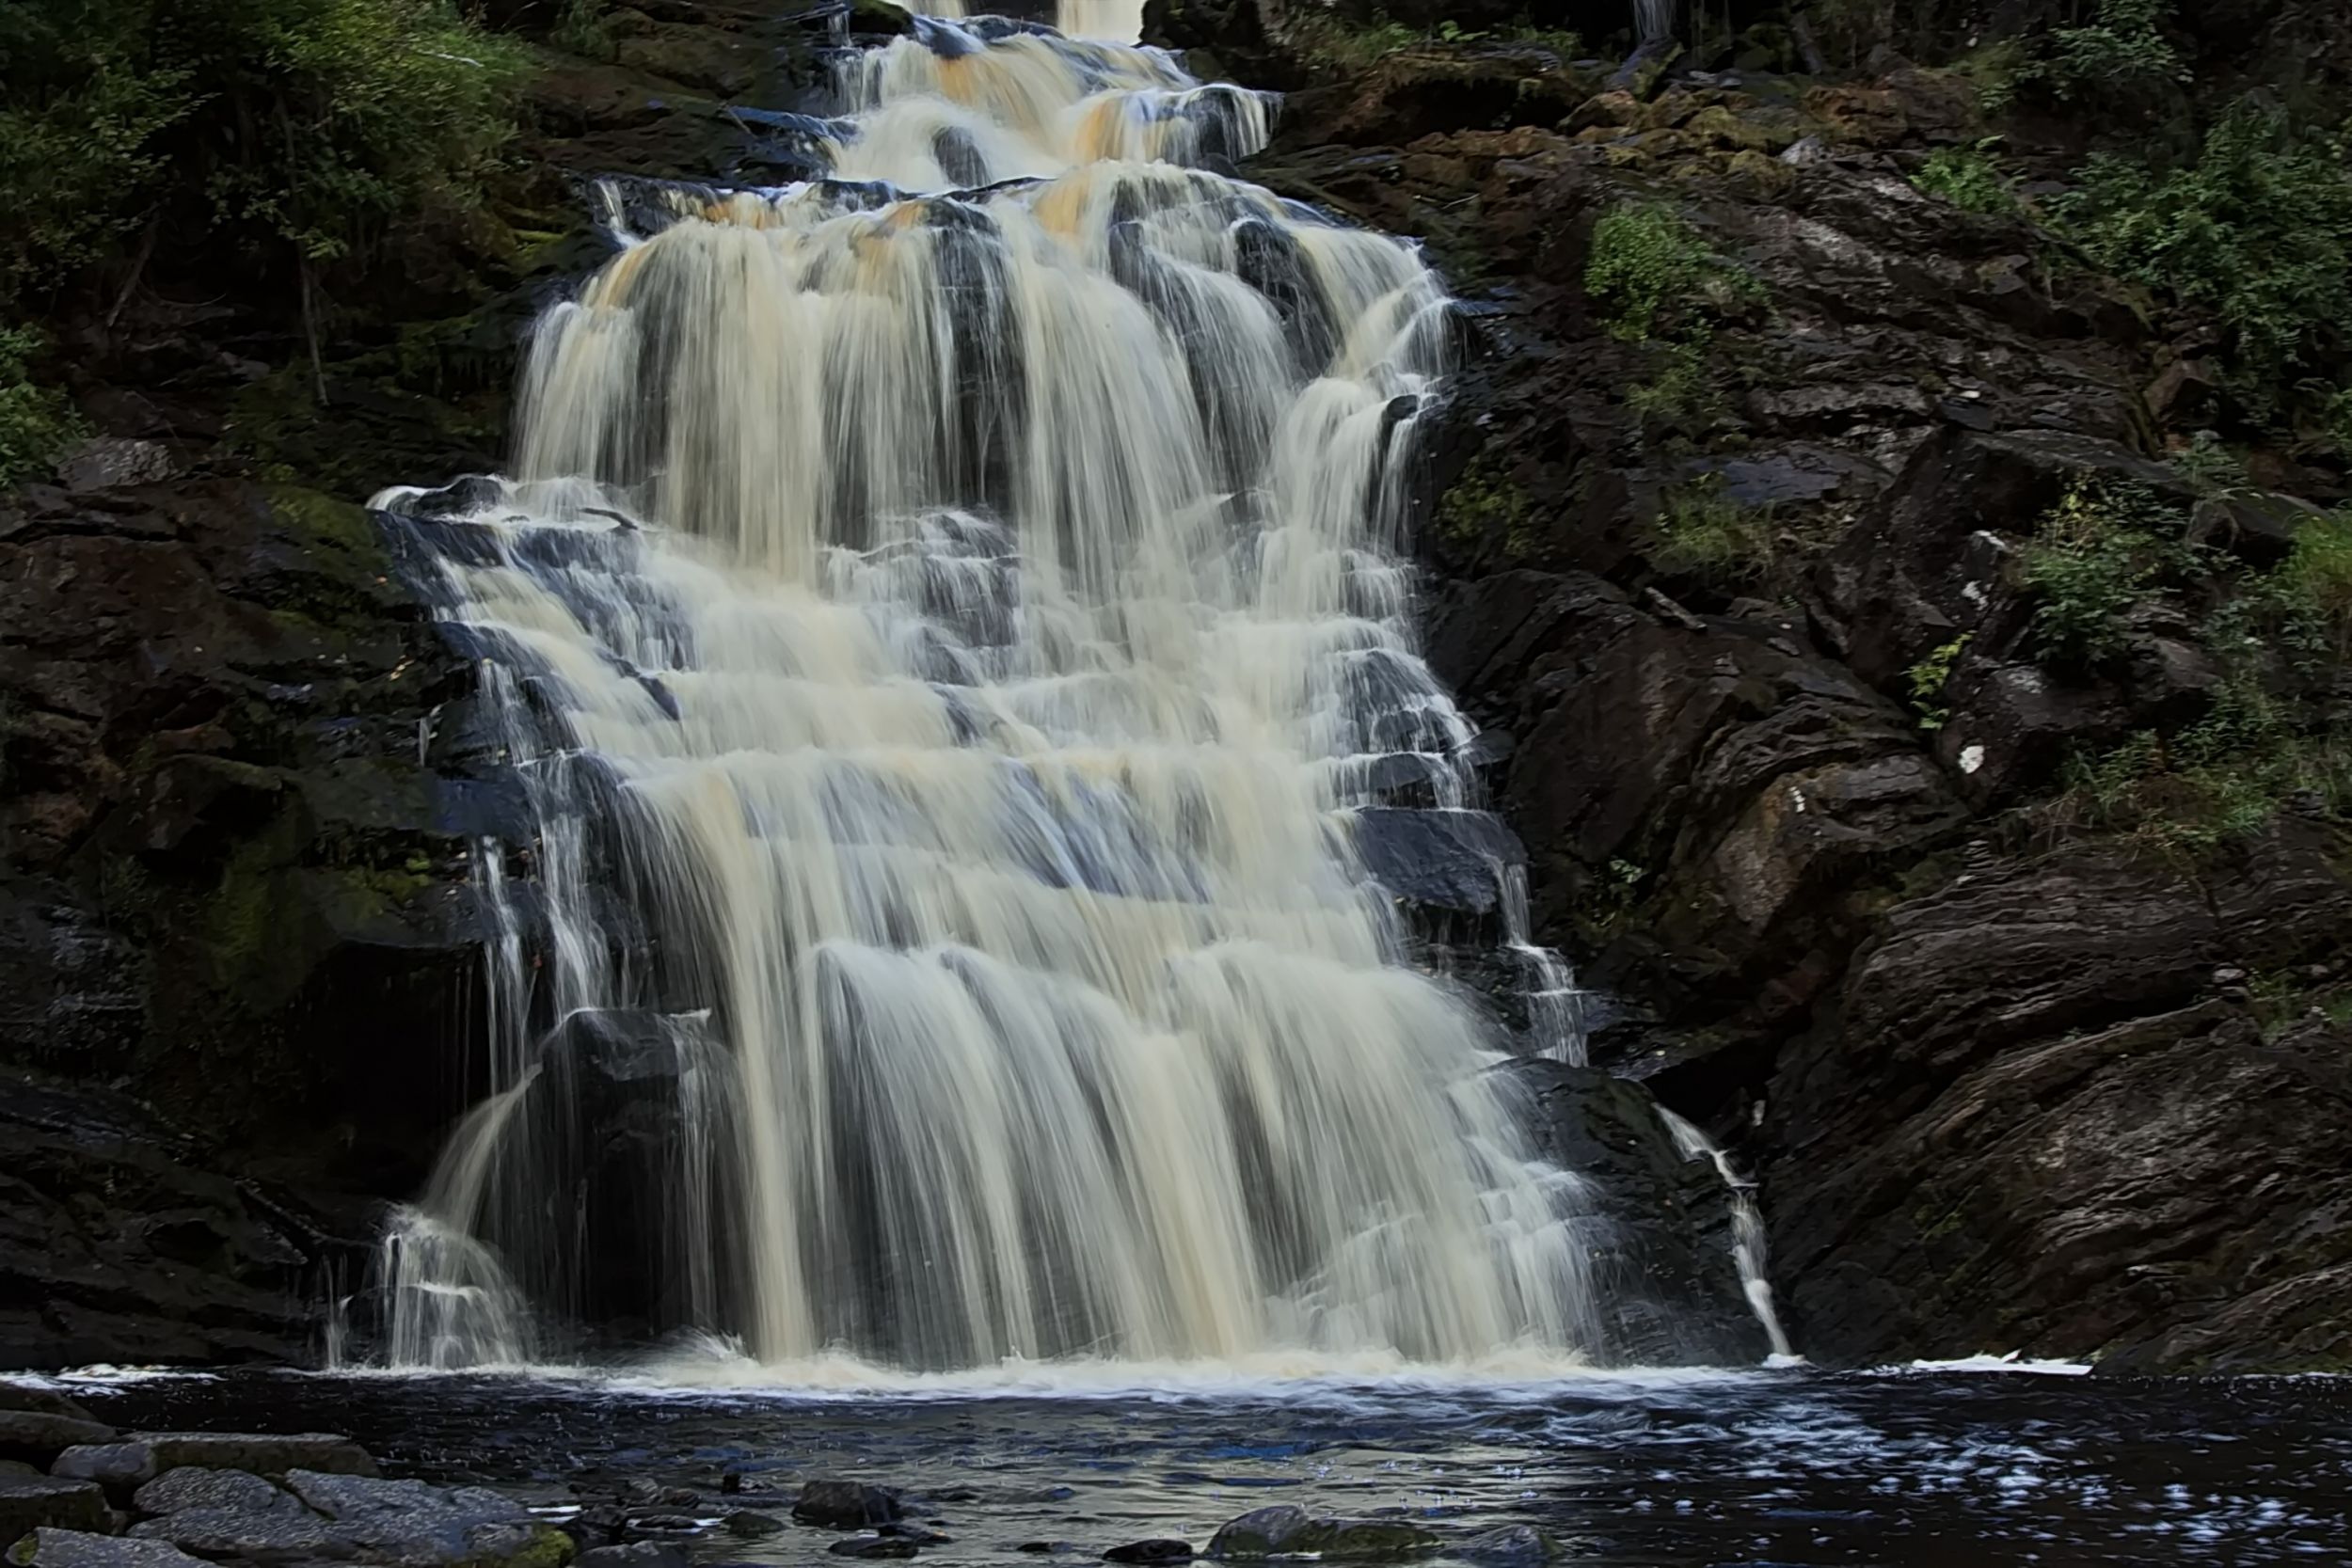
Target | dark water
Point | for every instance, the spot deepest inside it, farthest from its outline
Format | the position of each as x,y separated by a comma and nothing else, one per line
1911,1470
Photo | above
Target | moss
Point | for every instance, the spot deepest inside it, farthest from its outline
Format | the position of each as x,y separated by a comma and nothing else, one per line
1485,506
1701,531
548,1548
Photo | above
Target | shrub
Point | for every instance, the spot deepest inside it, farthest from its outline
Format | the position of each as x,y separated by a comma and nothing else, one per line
1927,678
35,421
2260,230
2221,779
1969,178
2097,554
2121,56
1701,532
1645,263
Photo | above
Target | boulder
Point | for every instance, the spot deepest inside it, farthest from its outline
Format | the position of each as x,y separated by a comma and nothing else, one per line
52,1547
29,1502
847,1504
1156,1550
233,1513
38,1436
128,1466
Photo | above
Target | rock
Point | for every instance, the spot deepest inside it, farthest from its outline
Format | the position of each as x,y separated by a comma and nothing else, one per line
71,1548
1158,1550
1506,1546
637,1553
873,1545
1442,860
2038,1124
847,1504
1288,1531
233,1513
29,1502
131,1465
48,1401
1260,1532
38,1436
103,461
410,1521
746,1523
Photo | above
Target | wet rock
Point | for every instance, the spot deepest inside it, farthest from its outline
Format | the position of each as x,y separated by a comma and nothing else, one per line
106,461
1260,1532
747,1523
29,1502
408,1521
71,1548
1507,1547
128,1466
1286,1530
636,1554
38,1436
2041,1124
233,1513
873,1546
1159,1550
847,1504
1444,861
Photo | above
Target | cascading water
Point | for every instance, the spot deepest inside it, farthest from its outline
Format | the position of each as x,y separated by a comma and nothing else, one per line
947,622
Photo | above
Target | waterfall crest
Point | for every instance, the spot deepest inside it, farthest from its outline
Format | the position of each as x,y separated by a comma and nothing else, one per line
945,621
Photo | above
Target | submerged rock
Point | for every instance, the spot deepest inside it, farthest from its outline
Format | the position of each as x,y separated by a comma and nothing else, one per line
637,1553
1158,1550
1285,1530
233,1513
847,1505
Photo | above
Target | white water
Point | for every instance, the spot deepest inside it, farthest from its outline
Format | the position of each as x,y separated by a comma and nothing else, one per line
1747,1230
956,631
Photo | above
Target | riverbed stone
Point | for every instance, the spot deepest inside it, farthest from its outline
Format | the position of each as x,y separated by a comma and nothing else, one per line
39,1436
1285,1530
873,1546
122,1467
637,1553
408,1521
1506,1546
52,1548
847,1504
1160,1549
29,1502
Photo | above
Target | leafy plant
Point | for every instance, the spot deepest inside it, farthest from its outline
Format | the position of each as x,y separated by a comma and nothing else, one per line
2209,466
1646,264
2221,779
1969,178
2260,230
35,421
583,30
1702,533
1927,678
2122,56
2097,554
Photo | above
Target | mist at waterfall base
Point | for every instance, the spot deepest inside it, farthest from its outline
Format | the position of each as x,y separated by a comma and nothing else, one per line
1904,1469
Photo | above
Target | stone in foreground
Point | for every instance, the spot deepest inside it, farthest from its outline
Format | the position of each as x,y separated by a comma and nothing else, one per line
29,1502
1285,1530
39,1436
124,1466
1150,1551
73,1548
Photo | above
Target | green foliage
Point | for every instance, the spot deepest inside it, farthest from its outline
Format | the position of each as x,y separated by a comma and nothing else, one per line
2260,230
2122,56
1653,279
1484,504
1927,678
1333,40
1969,178
1647,265
2314,586
269,125
1699,531
583,30
2099,552
2210,465
35,421
2220,779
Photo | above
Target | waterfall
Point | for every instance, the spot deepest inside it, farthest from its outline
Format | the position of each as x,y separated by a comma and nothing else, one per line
949,626
1747,1230
1654,20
